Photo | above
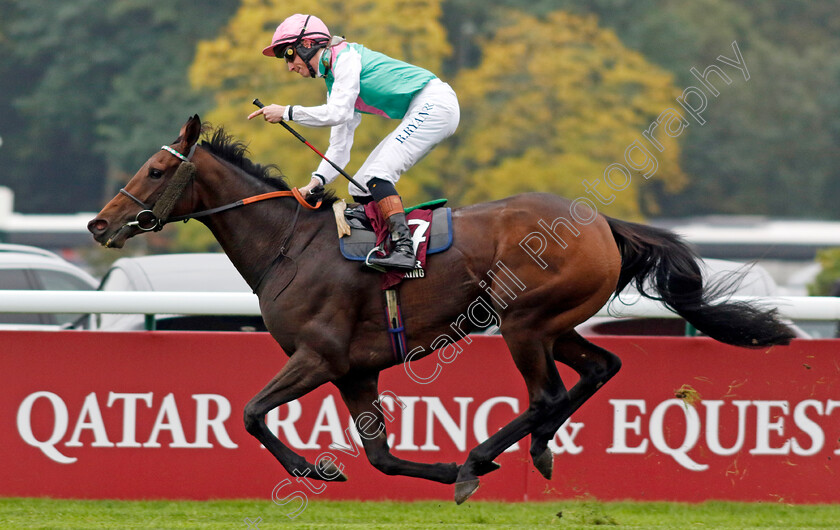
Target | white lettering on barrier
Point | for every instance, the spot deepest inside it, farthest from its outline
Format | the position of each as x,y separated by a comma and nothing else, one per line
203,422
809,427
621,426
692,433
327,421
407,425
90,409
482,415
763,426
129,415
633,430
713,426
24,425
436,414
567,439
457,431
293,411
90,418
168,419
769,421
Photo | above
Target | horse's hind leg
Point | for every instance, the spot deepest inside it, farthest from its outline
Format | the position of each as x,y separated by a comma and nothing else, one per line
546,394
595,366
304,372
363,400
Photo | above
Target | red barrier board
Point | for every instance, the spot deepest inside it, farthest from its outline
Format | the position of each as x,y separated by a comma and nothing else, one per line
159,415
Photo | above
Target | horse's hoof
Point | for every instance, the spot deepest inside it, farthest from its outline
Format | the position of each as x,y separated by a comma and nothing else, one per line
328,470
463,490
482,468
545,463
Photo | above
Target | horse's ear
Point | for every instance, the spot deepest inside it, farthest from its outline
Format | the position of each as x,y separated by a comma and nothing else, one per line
190,132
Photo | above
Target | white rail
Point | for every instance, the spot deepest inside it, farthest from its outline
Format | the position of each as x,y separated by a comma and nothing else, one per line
792,307
192,303
132,302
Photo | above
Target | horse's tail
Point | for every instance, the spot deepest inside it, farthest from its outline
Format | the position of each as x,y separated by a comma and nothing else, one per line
673,271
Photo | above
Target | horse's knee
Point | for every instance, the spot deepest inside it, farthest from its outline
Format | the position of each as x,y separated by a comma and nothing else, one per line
252,419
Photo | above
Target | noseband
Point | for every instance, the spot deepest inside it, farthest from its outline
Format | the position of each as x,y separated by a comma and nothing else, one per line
152,218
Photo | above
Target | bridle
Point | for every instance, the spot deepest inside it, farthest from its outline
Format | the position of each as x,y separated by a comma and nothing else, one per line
152,218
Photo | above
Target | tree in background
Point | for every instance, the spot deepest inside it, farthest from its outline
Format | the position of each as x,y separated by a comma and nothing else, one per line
556,100
90,89
769,146
233,67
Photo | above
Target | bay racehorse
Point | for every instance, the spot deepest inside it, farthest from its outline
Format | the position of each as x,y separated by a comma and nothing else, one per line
328,316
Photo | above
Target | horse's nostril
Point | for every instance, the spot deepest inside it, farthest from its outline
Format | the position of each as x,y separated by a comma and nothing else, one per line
97,225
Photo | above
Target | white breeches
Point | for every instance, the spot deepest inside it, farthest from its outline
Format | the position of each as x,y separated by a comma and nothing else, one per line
432,117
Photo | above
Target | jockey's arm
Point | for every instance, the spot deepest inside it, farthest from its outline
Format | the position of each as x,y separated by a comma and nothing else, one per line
341,102
341,141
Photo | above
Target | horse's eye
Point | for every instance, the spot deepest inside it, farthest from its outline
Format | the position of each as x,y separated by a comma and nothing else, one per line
155,173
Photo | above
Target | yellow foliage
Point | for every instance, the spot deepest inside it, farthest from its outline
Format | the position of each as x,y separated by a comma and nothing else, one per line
233,67
553,102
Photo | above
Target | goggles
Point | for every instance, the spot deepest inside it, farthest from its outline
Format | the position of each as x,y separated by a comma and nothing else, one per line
285,52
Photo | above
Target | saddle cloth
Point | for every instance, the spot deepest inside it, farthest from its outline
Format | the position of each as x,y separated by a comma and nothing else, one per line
362,239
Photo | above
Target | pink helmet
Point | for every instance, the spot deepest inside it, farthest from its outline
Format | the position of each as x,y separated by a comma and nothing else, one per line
296,28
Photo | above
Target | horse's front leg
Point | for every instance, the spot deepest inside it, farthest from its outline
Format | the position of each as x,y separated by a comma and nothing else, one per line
304,372
361,395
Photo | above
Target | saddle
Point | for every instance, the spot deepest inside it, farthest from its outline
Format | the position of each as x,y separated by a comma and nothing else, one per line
430,225
362,239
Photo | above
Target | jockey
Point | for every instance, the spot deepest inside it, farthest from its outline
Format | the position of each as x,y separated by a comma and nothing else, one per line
360,81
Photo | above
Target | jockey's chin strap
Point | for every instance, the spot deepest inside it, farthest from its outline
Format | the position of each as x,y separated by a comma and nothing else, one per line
153,217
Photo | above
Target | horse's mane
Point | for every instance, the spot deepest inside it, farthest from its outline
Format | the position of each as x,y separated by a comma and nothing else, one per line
234,151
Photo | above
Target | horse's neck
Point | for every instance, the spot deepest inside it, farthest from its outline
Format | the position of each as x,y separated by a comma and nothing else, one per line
252,235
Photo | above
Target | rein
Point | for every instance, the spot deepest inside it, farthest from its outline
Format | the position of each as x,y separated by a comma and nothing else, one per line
246,201
150,218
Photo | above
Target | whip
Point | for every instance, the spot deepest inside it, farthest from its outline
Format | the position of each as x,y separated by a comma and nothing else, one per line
259,104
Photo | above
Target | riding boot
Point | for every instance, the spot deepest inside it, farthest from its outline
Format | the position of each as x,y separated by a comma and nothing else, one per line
401,255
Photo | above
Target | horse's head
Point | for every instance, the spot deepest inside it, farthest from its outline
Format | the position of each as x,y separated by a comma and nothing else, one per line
152,194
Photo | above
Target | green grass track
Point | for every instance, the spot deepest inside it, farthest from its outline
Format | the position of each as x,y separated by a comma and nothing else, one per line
263,515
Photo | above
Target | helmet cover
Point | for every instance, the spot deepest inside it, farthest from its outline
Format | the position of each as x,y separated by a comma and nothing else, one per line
296,28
